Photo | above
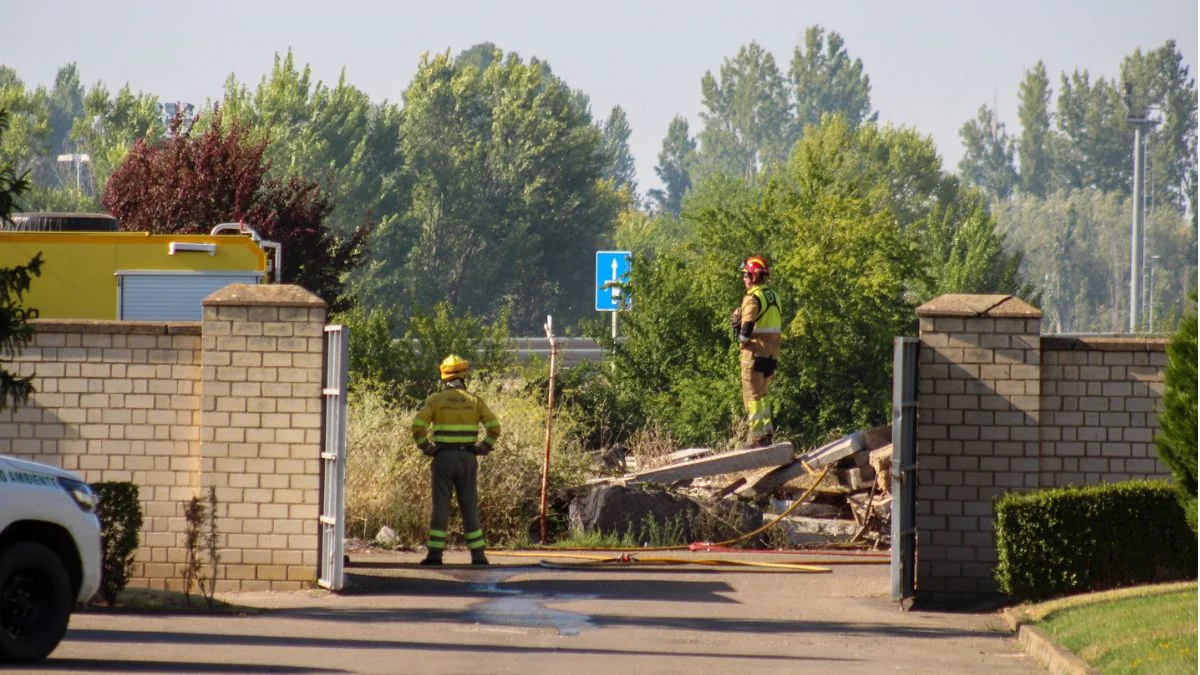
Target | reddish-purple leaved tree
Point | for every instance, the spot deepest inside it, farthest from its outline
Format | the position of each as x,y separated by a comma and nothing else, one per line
186,184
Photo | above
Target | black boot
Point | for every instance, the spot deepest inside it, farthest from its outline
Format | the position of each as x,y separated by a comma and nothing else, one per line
432,558
478,558
759,442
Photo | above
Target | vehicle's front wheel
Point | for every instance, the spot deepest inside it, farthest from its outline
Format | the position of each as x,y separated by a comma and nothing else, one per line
35,602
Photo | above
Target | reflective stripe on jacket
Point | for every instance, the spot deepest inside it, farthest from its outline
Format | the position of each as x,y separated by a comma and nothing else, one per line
453,415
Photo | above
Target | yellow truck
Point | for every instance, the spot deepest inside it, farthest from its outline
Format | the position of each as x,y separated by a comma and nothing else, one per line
92,271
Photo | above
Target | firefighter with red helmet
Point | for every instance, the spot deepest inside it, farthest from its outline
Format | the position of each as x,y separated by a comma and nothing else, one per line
446,429
757,326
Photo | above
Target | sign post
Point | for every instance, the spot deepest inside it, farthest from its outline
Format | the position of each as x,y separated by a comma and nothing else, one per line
612,273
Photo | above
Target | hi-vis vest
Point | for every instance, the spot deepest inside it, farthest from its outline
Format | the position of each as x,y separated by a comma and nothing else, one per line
453,416
768,319
761,305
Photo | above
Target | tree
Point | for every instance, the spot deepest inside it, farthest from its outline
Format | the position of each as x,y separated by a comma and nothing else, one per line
1033,149
190,180
1095,148
111,125
333,135
66,105
507,199
24,141
826,81
1159,78
1176,439
675,162
620,169
480,55
987,160
902,173
15,331
747,115
1075,246
841,267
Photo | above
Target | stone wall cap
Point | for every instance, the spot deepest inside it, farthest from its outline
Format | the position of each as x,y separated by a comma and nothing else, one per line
1105,343
258,295
991,306
115,327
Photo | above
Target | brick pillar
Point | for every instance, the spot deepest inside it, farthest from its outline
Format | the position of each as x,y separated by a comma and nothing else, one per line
977,434
260,431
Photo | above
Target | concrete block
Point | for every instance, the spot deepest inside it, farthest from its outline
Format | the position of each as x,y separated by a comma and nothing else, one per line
728,462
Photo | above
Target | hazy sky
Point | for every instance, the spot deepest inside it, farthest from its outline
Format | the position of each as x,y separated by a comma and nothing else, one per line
931,62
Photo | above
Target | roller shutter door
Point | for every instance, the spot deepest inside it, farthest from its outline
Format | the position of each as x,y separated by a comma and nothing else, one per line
172,296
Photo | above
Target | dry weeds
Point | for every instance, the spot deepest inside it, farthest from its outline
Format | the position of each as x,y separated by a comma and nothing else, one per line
387,477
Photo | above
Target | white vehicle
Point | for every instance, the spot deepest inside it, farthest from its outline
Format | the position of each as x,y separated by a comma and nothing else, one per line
50,555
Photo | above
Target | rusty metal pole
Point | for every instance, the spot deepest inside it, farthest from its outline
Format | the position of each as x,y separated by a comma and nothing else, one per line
549,427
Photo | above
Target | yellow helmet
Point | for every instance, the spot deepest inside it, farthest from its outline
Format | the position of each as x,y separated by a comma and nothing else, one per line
454,367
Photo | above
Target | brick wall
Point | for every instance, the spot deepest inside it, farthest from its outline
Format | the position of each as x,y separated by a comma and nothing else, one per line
1002,408
232,402
1099,400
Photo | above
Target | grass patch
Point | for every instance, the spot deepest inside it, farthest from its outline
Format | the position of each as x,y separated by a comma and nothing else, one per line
596,540
1148,629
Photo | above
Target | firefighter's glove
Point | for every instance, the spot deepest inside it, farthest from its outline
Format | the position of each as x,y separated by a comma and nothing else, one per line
428,448
735,320
482,448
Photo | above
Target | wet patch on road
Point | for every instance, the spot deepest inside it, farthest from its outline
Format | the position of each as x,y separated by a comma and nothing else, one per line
514,607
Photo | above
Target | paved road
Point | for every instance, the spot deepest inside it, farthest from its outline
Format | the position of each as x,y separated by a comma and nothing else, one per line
512,619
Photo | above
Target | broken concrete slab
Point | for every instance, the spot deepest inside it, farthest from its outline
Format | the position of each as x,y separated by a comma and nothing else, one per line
881,461
728,462
687,453
807,509
857,478
834,450
799,530
814,459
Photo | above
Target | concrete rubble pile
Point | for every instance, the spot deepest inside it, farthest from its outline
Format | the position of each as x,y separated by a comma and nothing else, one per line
850,507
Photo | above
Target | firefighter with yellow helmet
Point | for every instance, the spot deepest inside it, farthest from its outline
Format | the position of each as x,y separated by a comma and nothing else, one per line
757,325
446,429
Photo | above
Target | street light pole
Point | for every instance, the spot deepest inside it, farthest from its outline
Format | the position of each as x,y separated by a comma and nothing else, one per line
1138,119
1135,252
1153,261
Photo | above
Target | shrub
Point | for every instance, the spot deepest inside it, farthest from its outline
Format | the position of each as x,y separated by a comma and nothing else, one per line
1078,539
588,393
120,515
402,364
1176,439
387,478
201,535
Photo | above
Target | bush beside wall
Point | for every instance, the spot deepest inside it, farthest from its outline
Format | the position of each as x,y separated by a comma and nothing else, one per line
1079,539
120,515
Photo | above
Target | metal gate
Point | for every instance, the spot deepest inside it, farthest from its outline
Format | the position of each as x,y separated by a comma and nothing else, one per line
904,467
333,457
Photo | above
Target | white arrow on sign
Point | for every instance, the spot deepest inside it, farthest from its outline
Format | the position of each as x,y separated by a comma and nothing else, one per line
615,283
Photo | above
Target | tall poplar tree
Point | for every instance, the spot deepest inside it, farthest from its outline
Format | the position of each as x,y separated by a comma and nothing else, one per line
746,115
1033,148
674,169
825,80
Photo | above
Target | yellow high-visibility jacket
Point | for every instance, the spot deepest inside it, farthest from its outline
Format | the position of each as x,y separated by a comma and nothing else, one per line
453,415
760,308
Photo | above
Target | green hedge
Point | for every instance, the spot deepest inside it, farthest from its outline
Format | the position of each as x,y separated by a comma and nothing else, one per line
120,515
1078,539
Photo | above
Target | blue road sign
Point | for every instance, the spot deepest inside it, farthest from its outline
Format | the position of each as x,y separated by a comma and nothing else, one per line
612,272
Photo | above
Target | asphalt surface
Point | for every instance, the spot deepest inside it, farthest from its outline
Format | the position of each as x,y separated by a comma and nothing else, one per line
517,617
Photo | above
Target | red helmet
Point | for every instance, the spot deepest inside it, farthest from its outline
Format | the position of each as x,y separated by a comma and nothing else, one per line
756,268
